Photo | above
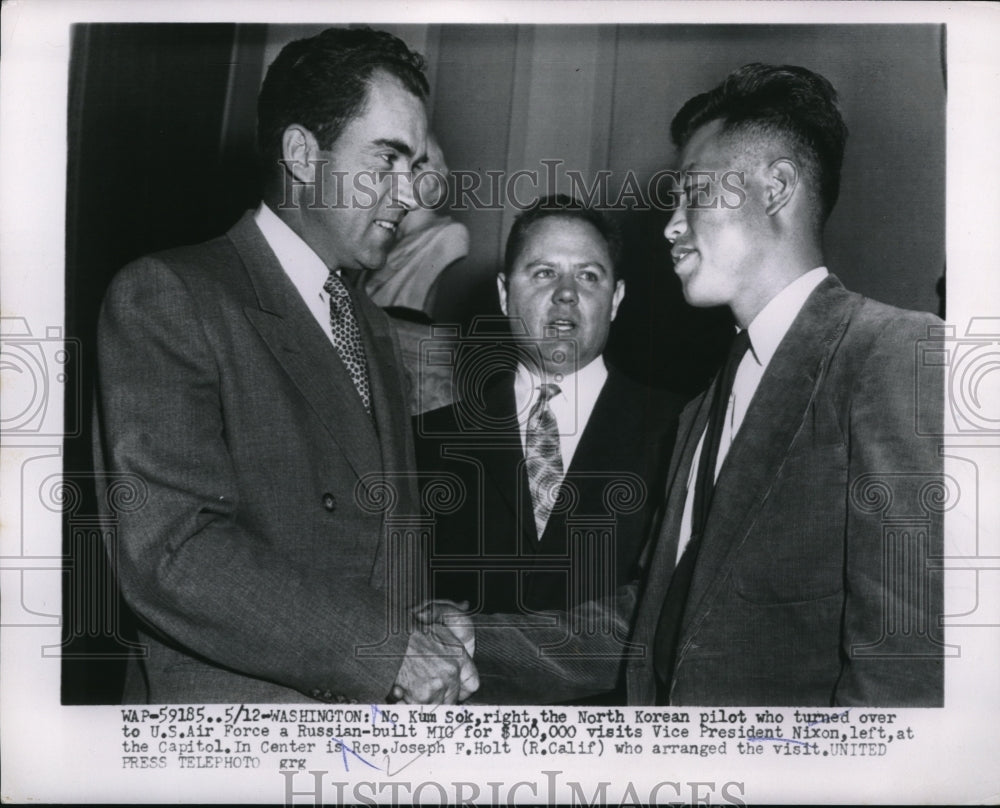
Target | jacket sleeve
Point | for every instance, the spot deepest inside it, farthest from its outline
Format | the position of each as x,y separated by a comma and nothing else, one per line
565,655
188,567
891,647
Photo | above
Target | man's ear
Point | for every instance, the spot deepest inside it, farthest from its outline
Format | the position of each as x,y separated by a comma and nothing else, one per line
298,151
502,291
616,298
780,184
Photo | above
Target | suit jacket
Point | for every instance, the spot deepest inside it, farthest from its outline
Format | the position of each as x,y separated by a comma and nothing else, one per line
824,501
256,553
487,551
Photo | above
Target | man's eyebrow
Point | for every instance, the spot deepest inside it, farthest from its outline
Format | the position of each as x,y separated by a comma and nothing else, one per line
545,262
595,264
398,145
692,169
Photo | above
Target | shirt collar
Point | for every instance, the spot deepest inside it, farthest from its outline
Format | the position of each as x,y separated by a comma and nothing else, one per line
771,324
305,269
590,377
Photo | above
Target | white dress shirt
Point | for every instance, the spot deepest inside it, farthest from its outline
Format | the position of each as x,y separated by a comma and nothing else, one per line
303,267
572,407
766,331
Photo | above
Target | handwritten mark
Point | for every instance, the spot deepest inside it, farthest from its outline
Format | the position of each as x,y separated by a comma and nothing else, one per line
344,749
376,712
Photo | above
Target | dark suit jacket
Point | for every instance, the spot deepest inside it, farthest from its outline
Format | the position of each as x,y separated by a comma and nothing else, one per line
257,554
812,584
487,550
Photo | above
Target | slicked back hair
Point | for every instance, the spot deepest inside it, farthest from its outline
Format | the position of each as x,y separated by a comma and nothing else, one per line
564,207
322,83
766,102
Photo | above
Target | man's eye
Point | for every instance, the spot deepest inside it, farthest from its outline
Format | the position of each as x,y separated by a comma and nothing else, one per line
544,273
589,275
696,192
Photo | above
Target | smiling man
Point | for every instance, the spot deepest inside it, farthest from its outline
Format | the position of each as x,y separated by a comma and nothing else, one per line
782,574
258,397
561,458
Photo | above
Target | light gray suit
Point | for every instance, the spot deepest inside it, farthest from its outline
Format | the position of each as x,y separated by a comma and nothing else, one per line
258,562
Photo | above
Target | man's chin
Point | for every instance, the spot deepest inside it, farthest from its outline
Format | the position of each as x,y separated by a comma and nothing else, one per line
557,358
373,263
699,298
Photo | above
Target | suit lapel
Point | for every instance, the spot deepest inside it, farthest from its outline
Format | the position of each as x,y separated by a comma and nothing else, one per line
599,454
388,399
692,423
286,325
598,449
664,550
775,415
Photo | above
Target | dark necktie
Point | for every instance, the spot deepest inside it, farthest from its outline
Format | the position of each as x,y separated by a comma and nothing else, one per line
543,456
668,628
347,336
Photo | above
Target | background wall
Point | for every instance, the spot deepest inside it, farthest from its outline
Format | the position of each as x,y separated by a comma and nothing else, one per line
161,152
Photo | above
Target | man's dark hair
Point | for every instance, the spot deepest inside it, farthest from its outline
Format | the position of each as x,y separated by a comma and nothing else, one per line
322,83
786,102
565,207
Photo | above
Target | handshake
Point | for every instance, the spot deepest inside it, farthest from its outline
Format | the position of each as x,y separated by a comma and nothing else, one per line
438,666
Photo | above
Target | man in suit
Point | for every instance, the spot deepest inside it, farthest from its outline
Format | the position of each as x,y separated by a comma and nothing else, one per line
560,458
776,578
256,396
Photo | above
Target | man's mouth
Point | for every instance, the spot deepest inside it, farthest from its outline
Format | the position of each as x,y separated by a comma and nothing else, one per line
680,253
386,224
560,326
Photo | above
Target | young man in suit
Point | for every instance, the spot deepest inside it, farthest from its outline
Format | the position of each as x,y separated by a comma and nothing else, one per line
777,578
561,459
257,397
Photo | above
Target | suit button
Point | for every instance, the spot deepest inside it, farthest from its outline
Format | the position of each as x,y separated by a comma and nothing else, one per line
329,502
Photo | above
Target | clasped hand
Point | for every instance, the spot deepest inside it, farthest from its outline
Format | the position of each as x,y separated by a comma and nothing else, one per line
438,666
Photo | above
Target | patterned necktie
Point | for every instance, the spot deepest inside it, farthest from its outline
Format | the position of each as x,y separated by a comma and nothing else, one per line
672,612
347,336
543,456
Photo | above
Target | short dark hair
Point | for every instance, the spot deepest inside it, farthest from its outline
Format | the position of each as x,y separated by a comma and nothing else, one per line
565,207
322,83
769,101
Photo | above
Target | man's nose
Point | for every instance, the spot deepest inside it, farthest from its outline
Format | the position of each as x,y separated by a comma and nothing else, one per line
677,225
566,291
403,189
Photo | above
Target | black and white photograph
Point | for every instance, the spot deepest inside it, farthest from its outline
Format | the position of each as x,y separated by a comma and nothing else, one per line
563,402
